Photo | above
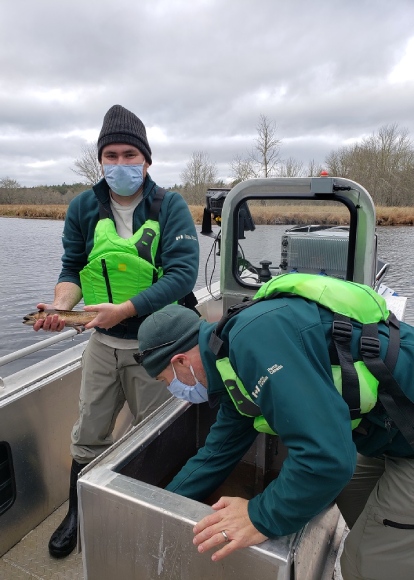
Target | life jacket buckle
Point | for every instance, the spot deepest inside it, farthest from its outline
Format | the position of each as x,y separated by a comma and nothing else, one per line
235,308
341,331
370,346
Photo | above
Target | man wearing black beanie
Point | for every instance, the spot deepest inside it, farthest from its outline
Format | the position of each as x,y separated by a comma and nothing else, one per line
122,126
130,248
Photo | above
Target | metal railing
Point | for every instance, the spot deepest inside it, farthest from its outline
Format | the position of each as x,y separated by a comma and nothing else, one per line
18,354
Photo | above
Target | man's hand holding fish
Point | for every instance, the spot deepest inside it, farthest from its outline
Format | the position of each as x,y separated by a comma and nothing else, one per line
55,320
109,314
103,315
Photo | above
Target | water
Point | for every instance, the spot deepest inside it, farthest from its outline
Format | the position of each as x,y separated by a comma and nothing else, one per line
30,262
30,252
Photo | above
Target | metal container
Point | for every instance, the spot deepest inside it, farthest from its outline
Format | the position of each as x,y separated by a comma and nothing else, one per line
323,252
38,407
132,528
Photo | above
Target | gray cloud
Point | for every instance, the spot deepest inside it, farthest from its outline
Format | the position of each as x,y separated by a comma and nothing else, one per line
198,74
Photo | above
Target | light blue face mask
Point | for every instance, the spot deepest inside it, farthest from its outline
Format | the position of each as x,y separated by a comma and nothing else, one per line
124,180
194,394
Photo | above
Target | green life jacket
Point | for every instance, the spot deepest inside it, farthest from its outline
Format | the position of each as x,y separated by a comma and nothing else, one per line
119,268
362,383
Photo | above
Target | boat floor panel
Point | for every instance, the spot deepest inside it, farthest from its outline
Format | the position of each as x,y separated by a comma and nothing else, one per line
30,557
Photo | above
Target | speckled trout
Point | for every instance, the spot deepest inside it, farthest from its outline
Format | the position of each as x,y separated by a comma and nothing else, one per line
73,318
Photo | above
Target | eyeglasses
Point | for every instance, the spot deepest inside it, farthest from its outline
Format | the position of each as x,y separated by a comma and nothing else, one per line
141,354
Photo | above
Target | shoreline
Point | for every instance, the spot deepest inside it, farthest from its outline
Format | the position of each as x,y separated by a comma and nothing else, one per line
280,215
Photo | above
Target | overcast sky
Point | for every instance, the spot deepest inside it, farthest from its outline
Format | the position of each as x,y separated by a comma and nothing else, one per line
199,73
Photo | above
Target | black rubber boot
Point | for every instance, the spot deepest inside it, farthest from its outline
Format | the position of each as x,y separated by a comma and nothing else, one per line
64,539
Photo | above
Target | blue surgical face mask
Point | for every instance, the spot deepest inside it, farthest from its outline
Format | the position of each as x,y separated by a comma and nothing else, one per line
194,394
124,180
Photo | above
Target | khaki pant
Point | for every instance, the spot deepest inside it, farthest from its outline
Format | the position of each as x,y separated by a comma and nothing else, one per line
109,378
378,506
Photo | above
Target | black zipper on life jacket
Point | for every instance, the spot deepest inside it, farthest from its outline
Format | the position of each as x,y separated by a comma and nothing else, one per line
392,524
106,278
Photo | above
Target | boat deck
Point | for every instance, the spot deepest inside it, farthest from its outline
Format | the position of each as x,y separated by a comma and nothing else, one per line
30,557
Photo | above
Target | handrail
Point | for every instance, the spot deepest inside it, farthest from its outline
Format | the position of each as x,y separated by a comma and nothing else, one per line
8,358
362,239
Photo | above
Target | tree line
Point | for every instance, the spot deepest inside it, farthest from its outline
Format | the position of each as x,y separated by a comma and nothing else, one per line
12,193
383,163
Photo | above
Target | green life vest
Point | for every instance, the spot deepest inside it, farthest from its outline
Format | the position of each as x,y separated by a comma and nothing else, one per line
361,383
350,299
120,268
244,403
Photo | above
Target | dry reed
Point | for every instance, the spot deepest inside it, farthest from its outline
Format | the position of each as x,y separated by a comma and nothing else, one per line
262,215
317,214
50,212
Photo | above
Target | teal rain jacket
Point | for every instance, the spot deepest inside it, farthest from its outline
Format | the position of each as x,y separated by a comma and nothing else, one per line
280,348
178,252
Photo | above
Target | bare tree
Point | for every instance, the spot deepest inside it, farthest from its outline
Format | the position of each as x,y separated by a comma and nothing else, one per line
383,163
290,167
199,174
314,169
265,154
241,169
88,166
8,188
263,159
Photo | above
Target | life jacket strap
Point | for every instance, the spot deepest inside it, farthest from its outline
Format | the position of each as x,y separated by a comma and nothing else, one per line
103,211
144,244
154,211
341,339
215,343
397,405
393,343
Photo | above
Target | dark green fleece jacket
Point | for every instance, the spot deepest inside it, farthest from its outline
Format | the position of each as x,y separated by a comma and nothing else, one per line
178,251
280,348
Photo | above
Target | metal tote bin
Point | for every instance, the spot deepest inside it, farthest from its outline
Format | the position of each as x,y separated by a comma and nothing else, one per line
132,528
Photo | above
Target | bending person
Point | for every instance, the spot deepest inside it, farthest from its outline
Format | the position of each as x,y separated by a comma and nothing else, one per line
276,353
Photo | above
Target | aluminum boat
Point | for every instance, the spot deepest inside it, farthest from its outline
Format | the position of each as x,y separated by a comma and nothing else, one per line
130,526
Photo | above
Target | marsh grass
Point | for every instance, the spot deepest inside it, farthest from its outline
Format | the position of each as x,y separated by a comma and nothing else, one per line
49,212
262,215
317,214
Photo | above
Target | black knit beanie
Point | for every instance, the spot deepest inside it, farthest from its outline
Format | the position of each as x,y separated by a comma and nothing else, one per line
122,126
167,332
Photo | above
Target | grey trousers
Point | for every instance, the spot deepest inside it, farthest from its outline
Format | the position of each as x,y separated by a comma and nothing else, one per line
378,506
109,378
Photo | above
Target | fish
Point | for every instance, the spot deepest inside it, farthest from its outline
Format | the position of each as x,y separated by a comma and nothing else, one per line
73,318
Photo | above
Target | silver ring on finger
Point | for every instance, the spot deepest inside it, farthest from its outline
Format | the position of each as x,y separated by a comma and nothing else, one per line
225,536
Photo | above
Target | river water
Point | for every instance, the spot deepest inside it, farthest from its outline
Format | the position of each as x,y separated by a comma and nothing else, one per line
30,252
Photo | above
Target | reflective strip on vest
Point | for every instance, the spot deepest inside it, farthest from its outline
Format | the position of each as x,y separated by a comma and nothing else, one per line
245,405
240,397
